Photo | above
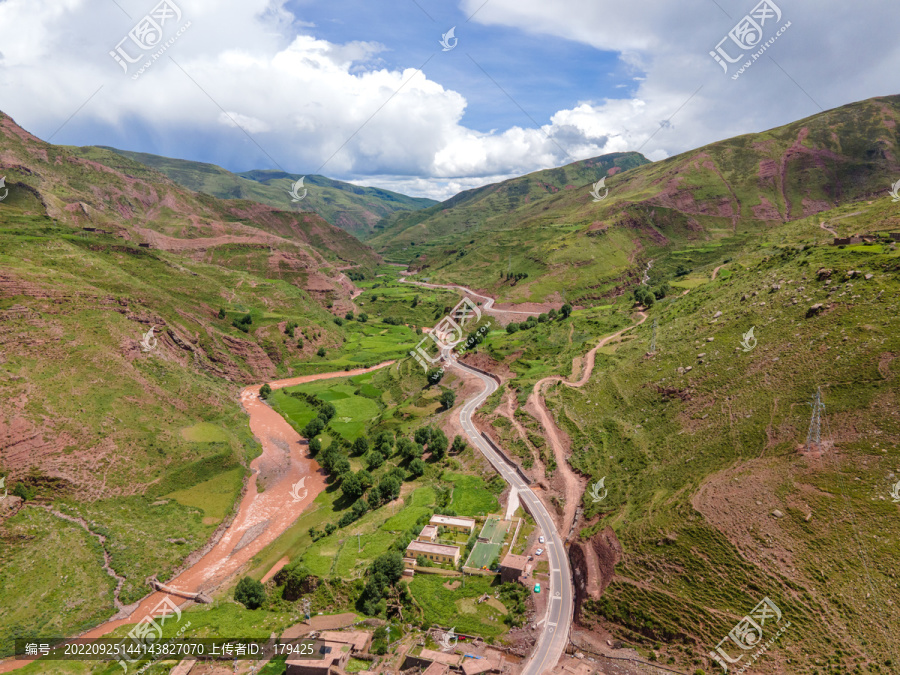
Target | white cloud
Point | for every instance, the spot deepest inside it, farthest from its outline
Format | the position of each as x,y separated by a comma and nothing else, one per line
308,102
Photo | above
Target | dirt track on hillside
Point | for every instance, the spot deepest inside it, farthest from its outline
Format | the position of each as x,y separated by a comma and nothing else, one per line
574,484
261,518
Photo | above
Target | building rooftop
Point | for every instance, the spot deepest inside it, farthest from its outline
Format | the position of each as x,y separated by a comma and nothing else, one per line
515,562
429,531
435,668
336,650
357,639
452,520
427,547
440,657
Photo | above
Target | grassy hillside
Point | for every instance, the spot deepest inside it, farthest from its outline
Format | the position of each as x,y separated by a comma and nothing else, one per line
710,496
719,196
352,208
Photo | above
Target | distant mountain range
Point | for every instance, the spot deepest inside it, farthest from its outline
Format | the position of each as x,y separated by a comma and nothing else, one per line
352,208
549,226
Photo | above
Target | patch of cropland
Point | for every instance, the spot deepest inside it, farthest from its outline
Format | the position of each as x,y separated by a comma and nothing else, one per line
533,239
711,496
353,208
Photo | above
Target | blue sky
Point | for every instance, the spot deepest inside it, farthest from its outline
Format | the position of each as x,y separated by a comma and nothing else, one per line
298,84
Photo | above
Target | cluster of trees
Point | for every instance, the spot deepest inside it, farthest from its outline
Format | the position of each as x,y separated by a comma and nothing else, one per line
324,412
384,573
392,321
514,276
647,296
362,318
532,321
289,328
243,323
250,593
356,276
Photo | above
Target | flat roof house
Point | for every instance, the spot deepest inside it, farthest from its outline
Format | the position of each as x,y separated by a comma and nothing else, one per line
436,552
428,533
455,523
330,654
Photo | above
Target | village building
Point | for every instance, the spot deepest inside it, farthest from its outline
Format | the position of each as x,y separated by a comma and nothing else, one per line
512,568
453,523
330,655
428,533
440,553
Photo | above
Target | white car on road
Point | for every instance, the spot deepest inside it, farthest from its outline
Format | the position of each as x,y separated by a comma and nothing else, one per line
541,540
539,551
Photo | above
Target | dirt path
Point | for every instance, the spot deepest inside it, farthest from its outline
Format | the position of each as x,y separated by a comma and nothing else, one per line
488,300
574,484
261,518
828,229
716,272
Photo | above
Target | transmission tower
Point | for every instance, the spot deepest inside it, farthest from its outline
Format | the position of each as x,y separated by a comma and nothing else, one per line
814,436
653,341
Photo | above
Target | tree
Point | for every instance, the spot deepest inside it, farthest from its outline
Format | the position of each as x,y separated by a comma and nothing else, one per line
293,577
438,444
512,328
417,467
389,488
265,391
544,318
326,412
448,398
374,460
552,314
459,445
349,316
407,450
339,321
365,479
434,375
363,317
22,491
321,351
389,564
341,467
565,311
221,313
315,446
682,271
422,435
314,428
415,301
360,446
351,487
289,328
250,593
384,443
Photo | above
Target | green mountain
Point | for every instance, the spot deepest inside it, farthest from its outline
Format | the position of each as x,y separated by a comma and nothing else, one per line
352,208
719,195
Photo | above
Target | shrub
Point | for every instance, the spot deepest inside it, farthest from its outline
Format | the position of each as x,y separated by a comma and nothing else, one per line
221,313
512,328
459,445
565,311
290,328
363,317
23,491
448,398
417,467
682,271
250,593
339,321
293,577
265,391
349,316
434,375
422,435
321,351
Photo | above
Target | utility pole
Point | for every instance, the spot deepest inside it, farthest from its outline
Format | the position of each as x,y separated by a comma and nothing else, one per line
814,435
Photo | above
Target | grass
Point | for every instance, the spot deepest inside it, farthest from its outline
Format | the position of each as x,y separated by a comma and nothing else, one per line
214,497
470,495
458,608
483,555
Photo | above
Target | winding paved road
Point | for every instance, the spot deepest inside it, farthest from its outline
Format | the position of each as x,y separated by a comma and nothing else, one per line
551,643
488,305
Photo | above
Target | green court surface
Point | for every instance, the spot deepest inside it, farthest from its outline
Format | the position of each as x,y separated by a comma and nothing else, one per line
494,530
483,555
